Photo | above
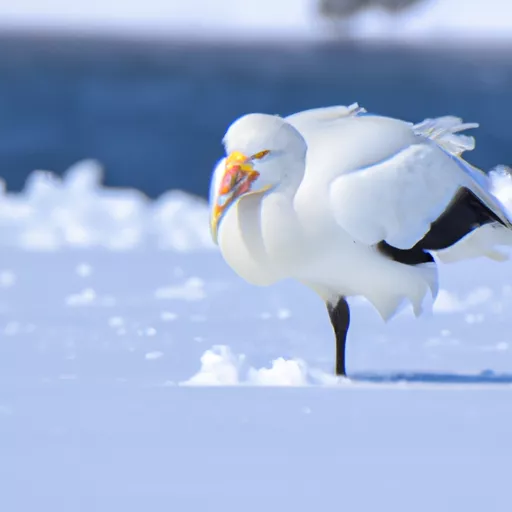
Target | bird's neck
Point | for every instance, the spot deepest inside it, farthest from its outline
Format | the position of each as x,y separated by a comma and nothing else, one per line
292,178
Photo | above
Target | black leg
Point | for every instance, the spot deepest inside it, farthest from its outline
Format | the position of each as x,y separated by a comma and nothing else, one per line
340,319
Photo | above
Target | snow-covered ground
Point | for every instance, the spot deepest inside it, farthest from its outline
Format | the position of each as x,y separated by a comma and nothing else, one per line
428,21
138,373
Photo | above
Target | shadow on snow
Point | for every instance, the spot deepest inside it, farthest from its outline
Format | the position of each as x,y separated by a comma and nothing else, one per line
484,377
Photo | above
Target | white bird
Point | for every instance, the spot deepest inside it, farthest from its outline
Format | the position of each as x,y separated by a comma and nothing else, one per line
352,204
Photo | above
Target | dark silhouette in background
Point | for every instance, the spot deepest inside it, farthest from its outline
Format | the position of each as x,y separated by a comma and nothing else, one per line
342,9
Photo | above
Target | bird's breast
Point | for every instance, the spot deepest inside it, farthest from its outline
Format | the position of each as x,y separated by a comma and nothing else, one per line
258,238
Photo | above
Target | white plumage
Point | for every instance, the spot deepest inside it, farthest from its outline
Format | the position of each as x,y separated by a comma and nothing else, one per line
345,203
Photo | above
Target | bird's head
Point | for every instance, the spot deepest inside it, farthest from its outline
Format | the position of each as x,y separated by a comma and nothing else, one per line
261,150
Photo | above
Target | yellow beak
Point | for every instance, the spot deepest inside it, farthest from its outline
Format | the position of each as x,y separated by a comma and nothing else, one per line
237,177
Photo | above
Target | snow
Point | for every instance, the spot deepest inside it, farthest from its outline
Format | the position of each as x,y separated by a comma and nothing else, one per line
73,212
140,373
426,22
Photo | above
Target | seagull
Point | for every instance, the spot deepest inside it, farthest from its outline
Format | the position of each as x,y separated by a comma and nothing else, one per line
350,203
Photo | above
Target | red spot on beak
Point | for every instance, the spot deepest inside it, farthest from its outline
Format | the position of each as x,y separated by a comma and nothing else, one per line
229,180
237,178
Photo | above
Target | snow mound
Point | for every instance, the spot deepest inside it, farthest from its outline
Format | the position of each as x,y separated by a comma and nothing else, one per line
501,186
220,367
76,211
448,302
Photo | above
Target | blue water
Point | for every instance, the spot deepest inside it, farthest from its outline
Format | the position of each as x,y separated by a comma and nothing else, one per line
154,113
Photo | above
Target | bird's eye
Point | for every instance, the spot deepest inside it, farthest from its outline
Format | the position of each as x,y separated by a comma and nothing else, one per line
260,155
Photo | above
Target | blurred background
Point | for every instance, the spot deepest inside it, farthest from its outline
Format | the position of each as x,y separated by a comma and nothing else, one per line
148,87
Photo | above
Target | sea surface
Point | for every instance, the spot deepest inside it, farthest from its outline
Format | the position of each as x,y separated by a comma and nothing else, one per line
154,113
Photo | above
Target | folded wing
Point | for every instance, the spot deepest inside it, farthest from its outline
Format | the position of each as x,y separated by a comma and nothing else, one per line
402,199
398,183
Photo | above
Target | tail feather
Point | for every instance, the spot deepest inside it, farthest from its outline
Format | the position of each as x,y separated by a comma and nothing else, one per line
482,242
415,290
444,131
490,241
